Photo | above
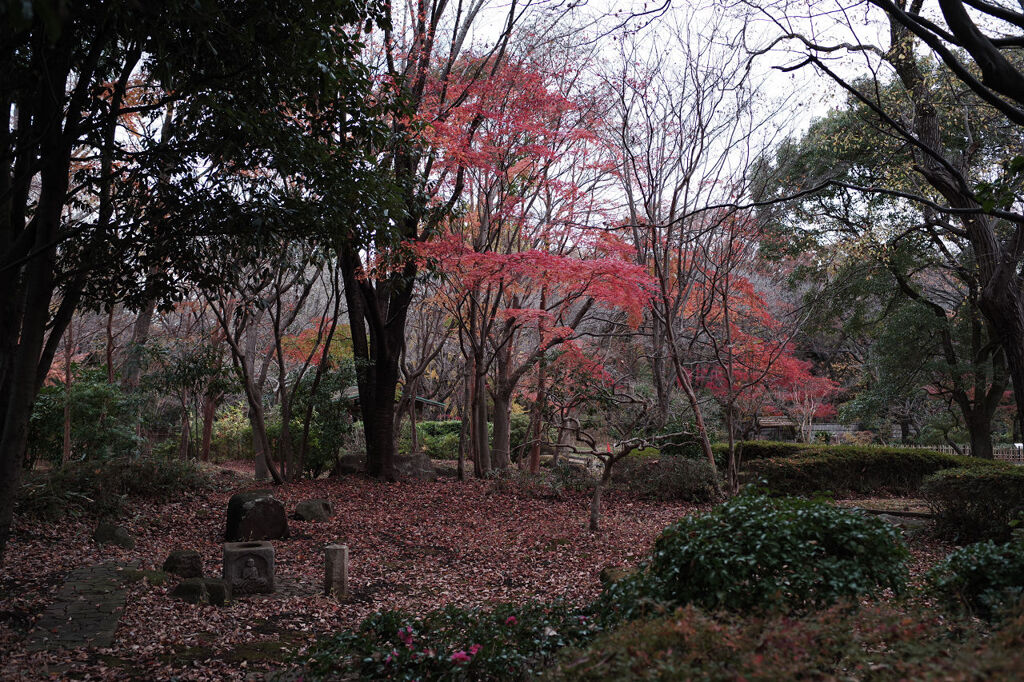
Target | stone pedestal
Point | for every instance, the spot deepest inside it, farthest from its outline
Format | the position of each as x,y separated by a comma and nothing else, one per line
249,567
336,573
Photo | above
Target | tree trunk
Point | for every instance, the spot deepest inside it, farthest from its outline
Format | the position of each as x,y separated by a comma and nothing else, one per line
65,455
23,327
481,449
595,499
979,429
209,413
500,456
184,444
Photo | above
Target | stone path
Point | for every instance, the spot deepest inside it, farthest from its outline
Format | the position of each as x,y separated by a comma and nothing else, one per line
86,612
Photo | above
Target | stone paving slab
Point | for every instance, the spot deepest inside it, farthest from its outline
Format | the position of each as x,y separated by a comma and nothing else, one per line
86,611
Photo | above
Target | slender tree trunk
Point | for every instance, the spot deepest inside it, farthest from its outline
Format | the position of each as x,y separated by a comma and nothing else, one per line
502,429
536,421
595,498
209,414
65,455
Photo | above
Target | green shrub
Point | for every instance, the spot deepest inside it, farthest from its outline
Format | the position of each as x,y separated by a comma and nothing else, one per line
503,642
756,552
874,642
232,434
985,579
975,503
440,439
853,469
101,488
103,421
652,476
519,425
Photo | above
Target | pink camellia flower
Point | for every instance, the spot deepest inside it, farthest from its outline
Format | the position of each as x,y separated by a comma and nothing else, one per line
473,649
405,634
460,657
511,620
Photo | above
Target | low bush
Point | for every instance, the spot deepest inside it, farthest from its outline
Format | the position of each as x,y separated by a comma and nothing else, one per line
985,579
514,481
102,488
760,553
975,503
666,478
571,476
874,642
499,643
846,469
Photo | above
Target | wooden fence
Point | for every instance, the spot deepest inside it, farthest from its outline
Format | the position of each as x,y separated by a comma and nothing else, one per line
1007,452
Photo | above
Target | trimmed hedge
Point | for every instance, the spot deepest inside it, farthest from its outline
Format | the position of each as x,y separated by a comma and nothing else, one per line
769,449
976,503
874,642
845,469
666,478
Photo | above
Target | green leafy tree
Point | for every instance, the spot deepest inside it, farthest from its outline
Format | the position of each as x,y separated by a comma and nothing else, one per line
139,137
888,277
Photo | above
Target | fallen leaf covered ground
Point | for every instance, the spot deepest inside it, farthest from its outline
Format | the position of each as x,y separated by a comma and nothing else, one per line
413,546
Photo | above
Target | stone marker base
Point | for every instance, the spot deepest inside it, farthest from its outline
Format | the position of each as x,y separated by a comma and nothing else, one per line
336,571
249,567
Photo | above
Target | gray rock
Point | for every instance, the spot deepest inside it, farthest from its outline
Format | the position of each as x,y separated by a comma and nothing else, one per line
314,510
191,590
349,464
904,522
255,515
217,591
417,466
185,563
109,534
203,591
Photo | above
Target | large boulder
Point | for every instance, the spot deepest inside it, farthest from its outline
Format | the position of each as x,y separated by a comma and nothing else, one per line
314,510
349,464
109,534
185,563
255,515
416,466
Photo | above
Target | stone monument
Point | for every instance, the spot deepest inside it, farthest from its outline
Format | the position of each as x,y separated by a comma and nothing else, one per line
249,567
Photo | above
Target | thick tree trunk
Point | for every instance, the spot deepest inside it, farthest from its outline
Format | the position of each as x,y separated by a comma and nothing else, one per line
979,430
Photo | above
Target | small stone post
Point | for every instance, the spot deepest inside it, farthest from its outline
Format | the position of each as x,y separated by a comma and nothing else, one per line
336,574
